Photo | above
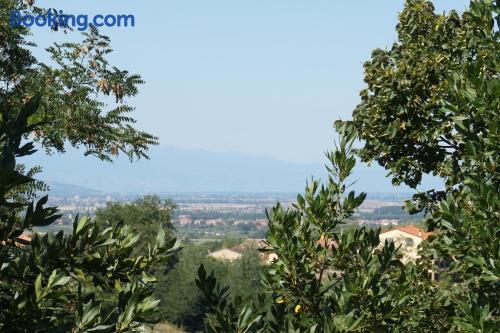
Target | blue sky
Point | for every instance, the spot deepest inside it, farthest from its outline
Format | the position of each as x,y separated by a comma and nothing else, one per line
260,77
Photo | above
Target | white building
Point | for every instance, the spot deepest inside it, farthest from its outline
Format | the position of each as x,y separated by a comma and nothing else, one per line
408,237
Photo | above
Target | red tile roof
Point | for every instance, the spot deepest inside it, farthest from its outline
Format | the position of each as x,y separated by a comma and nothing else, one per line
22,240
412,230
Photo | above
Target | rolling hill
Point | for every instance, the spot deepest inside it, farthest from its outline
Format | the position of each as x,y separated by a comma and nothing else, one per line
182,170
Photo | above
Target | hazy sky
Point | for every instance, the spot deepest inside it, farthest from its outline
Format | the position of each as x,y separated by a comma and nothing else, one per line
261,77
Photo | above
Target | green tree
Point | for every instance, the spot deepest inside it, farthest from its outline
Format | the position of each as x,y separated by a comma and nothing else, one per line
56,283
323,279
144,216
90,279
84,97
184,305
429,94
431,105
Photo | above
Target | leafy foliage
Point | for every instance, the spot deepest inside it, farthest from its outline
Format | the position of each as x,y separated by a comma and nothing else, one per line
84,97
431,106
184,304
322,280
144,216
411,118
90,280
53,283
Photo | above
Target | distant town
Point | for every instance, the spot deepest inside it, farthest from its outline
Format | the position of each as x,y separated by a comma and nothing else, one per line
213,216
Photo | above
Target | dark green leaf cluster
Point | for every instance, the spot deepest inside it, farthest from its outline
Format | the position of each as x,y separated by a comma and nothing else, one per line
144,216
86,281
182,302
412,105
92,280
322,279
228,315
432,105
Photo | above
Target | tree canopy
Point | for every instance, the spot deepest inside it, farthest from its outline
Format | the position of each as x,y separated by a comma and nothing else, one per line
145,215
90,280
431,106
435,90
84,97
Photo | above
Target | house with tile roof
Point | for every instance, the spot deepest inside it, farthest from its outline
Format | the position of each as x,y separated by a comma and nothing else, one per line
20,241
408,237
236,252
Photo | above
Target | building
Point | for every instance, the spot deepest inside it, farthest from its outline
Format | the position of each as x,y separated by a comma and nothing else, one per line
236,252
408,237
23,240
184,219
226,254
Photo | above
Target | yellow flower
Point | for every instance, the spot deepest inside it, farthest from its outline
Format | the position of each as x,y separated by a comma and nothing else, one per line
280,300
297,308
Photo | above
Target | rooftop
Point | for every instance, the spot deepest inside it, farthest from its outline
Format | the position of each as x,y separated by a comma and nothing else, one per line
412,230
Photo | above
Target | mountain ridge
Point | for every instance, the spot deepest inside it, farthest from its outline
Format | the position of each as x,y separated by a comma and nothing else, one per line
173,169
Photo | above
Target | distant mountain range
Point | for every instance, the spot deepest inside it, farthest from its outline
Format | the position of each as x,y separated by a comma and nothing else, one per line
182,170
68,190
